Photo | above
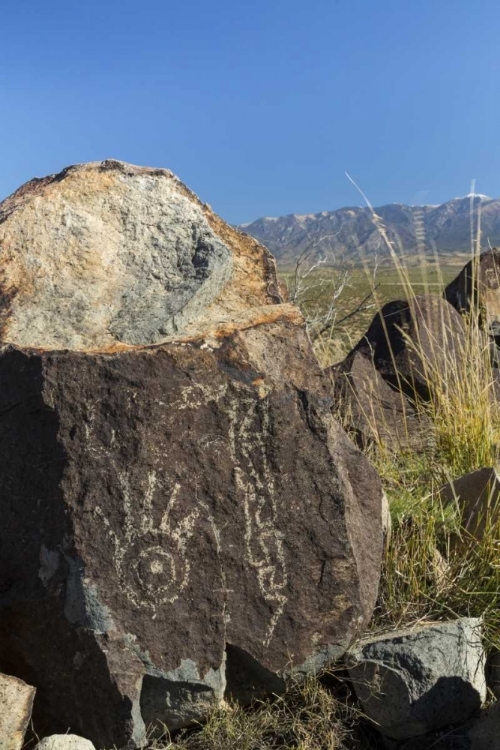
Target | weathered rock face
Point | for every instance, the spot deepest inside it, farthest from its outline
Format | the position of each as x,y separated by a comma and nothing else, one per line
415,681
410,342
108,253
178,520
16,704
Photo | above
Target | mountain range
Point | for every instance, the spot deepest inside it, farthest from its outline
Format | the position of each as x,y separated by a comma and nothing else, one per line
353,233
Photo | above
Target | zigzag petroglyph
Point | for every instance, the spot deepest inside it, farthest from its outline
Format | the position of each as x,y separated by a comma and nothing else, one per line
263,541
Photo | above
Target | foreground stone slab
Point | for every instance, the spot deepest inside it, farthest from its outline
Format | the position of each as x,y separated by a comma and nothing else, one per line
180,521
413,682
64,742
16,703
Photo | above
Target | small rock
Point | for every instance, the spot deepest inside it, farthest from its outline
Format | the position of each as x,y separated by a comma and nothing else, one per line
65,742
16,703
416,681
477,495
485,734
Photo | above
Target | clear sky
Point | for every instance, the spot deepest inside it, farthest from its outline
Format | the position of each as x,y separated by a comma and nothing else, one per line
260,106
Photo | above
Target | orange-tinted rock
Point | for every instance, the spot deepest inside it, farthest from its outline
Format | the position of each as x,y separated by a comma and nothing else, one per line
16,703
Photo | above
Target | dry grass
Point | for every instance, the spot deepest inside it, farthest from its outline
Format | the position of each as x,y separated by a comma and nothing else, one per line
318,714
427,574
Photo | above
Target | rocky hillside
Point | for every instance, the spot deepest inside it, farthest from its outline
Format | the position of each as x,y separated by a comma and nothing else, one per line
352,233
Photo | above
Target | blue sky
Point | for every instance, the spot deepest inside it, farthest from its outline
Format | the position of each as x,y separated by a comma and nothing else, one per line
259,106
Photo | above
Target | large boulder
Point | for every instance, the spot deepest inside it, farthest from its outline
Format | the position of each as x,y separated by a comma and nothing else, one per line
415,681
415,343
16,704
182,519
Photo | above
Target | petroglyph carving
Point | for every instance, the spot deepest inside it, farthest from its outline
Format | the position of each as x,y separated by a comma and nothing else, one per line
264,547
263,541
157,574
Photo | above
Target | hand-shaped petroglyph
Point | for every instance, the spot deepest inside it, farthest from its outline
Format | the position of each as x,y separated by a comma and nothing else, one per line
152,560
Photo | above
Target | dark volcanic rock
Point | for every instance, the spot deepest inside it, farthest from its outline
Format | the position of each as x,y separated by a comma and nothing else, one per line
164,505
412,343
375,411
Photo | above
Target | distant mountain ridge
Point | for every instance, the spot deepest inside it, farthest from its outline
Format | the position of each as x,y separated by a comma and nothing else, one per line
352,233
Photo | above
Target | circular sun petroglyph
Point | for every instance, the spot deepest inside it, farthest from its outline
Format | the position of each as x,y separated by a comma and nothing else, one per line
157,576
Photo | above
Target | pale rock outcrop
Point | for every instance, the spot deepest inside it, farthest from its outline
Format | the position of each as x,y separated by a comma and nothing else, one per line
16,703
64,742
182,518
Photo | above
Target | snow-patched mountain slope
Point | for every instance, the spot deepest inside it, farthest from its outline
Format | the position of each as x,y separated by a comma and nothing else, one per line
353,233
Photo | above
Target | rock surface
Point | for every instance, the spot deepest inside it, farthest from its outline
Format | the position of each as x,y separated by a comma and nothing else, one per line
413,682
64,742
411,344
478,497
108,253
16,703
182,520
